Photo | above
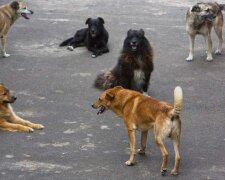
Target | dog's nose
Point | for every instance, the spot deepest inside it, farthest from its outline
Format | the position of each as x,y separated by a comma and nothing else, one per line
133,43
92,105
32,12
14,98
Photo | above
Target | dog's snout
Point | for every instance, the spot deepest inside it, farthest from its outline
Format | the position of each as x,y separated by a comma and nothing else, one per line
14,98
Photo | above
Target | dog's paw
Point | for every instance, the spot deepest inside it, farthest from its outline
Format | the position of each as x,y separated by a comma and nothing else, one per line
29,129
71,48
141,152
39,126
174,173
93,55
163,171
5,55
129,163
189,58
209,58
218,52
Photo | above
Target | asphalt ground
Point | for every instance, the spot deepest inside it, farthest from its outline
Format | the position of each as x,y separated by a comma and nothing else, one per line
54,87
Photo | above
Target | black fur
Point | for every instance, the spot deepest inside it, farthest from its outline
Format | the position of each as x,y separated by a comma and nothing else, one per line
95,37
15,5
136,54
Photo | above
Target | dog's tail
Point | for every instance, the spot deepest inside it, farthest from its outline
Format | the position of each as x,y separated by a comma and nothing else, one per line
66,42
178,101
105,81
222,7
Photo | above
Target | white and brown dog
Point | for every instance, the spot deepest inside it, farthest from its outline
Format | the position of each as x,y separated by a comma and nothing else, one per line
199,20
9,13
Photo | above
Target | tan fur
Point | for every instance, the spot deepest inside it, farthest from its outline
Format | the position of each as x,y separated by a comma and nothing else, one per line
9,121
8,15
144,112
197,24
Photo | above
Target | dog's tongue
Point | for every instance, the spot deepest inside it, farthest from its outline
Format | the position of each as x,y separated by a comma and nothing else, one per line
25,16
101,110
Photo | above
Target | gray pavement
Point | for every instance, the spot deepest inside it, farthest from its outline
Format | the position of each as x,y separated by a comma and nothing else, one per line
54,87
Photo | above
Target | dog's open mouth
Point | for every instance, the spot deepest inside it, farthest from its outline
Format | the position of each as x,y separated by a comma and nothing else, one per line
101,110
25,15
93,35
134,48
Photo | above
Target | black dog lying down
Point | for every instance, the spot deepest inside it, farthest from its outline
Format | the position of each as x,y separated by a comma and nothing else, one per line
134,67
95,37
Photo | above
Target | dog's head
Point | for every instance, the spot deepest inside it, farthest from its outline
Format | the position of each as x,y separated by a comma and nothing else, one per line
21,9
205,11
5,95
95,26
106,99
134,40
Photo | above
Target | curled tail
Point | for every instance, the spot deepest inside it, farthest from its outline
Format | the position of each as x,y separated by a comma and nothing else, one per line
66,42
105,81
178,101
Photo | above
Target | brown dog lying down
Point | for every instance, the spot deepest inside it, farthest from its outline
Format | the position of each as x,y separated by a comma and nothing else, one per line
144,112
8,119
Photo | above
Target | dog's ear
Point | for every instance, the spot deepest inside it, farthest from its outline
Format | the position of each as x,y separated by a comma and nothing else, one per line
88,20
129,31
101,20
141,31
15,5
222,7
195,8
109,96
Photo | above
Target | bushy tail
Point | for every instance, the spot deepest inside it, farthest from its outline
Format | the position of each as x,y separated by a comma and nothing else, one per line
66,42
178,101
222,7
105,81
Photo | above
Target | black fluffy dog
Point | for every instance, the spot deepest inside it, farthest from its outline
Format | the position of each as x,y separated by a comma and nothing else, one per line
134,67
95,37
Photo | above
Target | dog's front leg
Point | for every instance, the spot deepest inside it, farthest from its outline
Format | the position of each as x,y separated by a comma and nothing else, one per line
14,127
191,47
209,47
21,121
3,40
131,134
144,135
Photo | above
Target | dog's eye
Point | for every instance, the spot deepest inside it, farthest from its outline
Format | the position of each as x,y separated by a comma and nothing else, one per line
207,10
3,94
99,99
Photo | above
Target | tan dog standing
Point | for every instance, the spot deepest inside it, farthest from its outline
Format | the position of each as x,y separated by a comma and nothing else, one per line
9,13
144,112
9,121
199,20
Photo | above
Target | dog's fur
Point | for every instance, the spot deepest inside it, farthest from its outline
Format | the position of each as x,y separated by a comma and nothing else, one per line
144,112
199,20
9,121
9,13
95,37
134,67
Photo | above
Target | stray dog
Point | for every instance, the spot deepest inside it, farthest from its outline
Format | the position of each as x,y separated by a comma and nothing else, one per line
95,37
9,13
134,66
9,121
199,20
144,112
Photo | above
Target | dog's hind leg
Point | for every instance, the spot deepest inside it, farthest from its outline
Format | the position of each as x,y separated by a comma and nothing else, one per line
3,40
144,135
176,144
219,33
191,47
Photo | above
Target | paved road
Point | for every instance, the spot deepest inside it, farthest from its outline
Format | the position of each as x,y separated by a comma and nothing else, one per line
54,87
